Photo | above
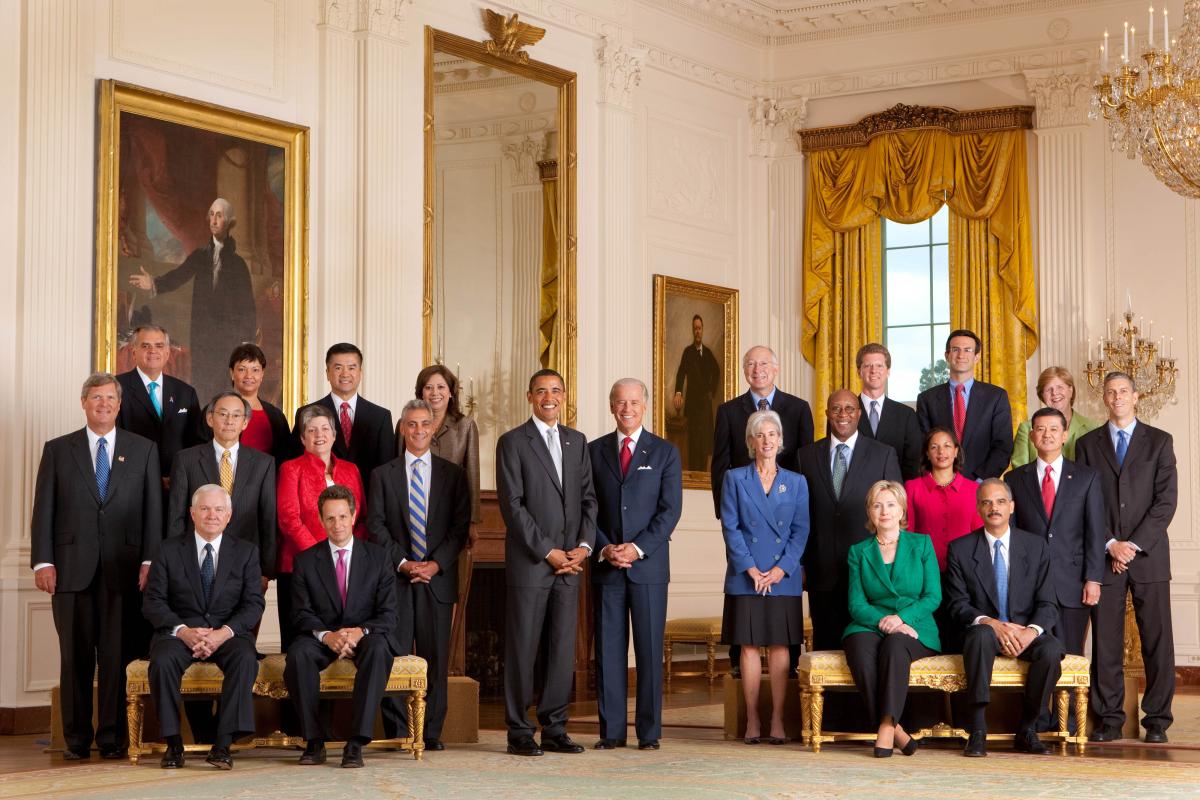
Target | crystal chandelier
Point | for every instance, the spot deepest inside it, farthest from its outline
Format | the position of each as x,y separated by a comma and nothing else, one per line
1151,98
1151,364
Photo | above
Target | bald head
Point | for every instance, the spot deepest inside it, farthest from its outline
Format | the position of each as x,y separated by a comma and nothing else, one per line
761,366
842,411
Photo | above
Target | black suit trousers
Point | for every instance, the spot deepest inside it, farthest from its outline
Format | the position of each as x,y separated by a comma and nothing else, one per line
238,662
302,676
423,629
283,605
90,627
1044,655
1072,628
539,619
830,614
880,666
1152,610
617,606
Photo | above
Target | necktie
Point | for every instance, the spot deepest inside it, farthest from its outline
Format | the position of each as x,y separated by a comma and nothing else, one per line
1048,491
1001,571
626,455
1122,447
839,470
874,417
207,572
417,512
154,401
345,422
102,469
555,450
960,411
762,405
227,472
340,570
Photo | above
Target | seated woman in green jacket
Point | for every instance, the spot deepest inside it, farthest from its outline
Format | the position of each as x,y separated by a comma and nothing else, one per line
894,590
1056,388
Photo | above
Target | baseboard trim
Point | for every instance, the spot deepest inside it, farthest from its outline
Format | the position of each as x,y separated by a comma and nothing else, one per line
24,720
1187,676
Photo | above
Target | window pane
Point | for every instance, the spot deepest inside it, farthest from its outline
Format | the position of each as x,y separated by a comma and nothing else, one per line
907,287
940,332
941,283
896,234
910,354
941,225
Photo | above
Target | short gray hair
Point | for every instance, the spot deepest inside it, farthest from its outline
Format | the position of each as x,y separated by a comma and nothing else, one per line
312,411
774,358
99,379
212,487
416,404
226,208
219,396
629,382
992,482
756,421
140,329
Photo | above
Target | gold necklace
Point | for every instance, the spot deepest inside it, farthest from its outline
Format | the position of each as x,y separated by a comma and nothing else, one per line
888,542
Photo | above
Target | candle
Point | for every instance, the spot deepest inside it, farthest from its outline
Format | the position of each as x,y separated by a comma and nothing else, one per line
1166,32
1107,328
1150,36
1125,51
1129,301
1171,348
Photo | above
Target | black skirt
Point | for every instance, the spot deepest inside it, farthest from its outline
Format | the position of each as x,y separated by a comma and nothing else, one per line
758,621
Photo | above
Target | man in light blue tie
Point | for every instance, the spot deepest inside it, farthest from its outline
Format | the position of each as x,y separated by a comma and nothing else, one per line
420,511
998,587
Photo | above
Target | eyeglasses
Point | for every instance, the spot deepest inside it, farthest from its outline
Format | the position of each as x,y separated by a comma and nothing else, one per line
224,415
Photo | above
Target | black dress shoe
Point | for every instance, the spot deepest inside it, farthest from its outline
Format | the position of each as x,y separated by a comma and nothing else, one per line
434,744
1155,735
220,757
1106,733
525,746
1027,741
77,754
976,745
608,744
114,753
910,749
173,758
560,744
882,752
735,672
352,755
314,753
648,744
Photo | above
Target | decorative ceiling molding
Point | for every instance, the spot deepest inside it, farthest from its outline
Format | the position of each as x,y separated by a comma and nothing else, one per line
387,19
706,74
620,71
902,117
1062,96
772,123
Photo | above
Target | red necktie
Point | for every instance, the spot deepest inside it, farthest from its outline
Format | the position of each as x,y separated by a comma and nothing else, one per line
346,424
1048,492
626,455
960,411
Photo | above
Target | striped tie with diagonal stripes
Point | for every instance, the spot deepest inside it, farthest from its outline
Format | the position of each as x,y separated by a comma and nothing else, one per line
417,511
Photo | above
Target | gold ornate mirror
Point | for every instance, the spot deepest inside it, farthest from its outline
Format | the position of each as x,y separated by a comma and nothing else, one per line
499,300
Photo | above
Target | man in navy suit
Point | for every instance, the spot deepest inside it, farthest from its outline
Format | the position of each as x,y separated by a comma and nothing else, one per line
977,412
639,493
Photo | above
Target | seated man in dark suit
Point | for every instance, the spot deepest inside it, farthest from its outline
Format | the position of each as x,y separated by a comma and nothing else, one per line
977,412
883,419
204,599
344,601
998,587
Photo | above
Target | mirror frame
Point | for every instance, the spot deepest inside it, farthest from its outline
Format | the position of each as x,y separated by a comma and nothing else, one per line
565,327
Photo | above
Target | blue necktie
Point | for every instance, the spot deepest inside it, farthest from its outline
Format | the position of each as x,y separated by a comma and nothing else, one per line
1001,570
102,469
1122,447
417,512
207,572
154,401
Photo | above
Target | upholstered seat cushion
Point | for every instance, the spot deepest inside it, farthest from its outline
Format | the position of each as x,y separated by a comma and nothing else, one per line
698,629
269,682
829,667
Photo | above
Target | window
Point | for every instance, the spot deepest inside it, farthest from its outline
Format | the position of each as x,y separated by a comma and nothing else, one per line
916,303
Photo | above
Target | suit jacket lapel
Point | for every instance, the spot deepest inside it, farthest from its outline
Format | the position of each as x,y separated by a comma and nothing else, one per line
224,564
985,571
191,566
875,561
356,579
1106,447
1033,490
143,396
824,468
975,401
757,495
120,451
641,454
329,578
542,451
83,459
170,403
607,452
1136,441
210,465
1019,568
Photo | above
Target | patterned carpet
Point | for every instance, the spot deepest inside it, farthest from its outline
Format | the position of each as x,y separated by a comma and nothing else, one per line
696,770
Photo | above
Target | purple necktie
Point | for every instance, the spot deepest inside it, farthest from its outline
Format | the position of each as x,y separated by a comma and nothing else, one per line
341,575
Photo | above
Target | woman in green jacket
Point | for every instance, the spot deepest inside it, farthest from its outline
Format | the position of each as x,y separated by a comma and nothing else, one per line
1056,388
894,589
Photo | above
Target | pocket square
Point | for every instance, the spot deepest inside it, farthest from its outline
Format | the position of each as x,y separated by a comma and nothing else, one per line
183,411
644,466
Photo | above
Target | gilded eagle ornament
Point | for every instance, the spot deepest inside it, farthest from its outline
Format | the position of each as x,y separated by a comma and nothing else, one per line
510,36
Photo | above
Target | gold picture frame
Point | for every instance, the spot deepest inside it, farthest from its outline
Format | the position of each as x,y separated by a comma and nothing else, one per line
677,303
162,162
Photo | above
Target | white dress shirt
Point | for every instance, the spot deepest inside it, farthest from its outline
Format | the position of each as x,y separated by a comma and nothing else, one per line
1004,548
833,445
233,455
333,553
867,400
1056,464
200,542
632,447
337,406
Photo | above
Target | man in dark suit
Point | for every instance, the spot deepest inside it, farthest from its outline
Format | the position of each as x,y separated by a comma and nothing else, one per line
420,513
344,598
96,528
839,469
883,419
1063,502
1137,470
544,483
977,412
998,587
364,434
697,391
204,600
223,311
639,495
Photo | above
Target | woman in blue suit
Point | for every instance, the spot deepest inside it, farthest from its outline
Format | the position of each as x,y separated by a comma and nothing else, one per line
764,518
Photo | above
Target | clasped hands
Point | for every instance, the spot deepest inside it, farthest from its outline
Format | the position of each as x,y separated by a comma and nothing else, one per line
203,642
343,641
621,556
419,571
1013,638
567,562
893,624
763,581
1122,553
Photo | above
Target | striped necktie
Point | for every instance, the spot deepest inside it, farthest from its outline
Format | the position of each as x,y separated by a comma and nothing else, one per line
227,472
102,468
417,512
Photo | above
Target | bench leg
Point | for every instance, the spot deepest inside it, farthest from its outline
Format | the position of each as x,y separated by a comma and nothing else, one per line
815,713
133,719
668,653
805,716
416,722
1062,708
1081,708
711,653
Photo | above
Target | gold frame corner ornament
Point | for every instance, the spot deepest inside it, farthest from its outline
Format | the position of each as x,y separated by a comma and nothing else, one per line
510,36
494,53
116,99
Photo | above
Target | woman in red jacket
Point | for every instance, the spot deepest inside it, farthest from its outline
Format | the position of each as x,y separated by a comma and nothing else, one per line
301,481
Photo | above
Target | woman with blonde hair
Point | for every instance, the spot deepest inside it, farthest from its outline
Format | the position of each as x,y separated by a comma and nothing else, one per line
1056,388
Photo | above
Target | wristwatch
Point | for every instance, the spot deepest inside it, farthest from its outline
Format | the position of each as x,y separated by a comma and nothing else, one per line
365,630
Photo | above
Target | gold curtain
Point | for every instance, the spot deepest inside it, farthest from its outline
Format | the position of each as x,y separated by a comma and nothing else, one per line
907,176
548,305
